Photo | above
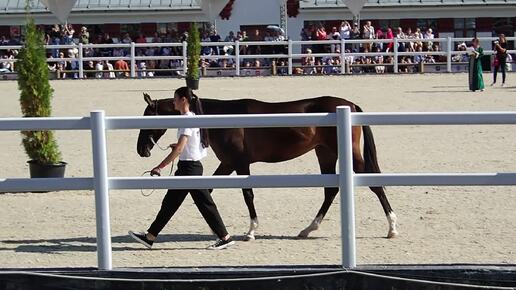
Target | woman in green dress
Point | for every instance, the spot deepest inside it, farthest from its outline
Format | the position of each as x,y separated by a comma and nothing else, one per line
476,81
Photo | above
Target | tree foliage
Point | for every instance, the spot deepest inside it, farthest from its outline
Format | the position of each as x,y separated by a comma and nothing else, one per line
36,94
193,52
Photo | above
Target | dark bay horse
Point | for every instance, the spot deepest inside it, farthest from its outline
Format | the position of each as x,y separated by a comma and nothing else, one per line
238,148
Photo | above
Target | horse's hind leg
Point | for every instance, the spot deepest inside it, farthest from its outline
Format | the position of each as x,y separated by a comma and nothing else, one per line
359,167
249,201
327,162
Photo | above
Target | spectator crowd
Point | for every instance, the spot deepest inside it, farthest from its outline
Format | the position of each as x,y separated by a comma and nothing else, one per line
420,41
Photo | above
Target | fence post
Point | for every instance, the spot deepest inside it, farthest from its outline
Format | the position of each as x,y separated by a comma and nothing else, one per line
133,61
342,56
395,50
237,58
81,65
290,57
347,203
101,186
449,54
185,57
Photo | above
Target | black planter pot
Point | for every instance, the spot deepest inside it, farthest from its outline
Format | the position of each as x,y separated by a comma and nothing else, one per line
38,170
192,84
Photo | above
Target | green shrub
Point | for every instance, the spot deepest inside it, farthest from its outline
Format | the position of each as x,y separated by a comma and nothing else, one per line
193,52
36,95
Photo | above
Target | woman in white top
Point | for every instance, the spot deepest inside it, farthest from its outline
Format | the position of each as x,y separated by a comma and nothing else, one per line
190,148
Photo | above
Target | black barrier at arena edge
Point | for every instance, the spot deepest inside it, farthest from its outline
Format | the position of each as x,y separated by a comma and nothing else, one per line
431,277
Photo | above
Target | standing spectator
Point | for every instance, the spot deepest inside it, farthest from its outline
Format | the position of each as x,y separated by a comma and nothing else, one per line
231,37
206,50
215,37
500,59
389,35
320,34
126,38
355,34
84,36
476,81
305,36
141,38
345,30
335,35
68,34
368,33
379,35
55,39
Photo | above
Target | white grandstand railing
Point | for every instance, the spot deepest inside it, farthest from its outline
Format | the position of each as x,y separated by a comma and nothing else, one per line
446,49
343,119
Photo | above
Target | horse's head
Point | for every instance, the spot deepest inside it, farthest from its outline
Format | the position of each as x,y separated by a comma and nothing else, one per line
148,137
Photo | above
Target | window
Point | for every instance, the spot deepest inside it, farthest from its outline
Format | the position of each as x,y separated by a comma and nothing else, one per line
163,28
465,27
386,23
424,24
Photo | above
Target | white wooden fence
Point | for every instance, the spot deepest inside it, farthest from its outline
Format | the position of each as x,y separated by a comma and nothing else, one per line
447,49
343,119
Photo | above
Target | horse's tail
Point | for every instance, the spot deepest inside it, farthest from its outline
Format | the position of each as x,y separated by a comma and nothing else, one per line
370,158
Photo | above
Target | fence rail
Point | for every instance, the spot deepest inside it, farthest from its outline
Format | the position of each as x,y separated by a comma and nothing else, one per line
446,50
343,119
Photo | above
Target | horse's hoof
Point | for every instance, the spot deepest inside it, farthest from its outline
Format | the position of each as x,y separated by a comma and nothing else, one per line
249,237
392,234
303,235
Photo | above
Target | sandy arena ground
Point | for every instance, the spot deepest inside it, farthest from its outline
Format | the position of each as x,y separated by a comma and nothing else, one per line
436,224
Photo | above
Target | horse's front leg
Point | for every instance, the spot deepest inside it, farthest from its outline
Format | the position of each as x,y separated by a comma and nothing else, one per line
249,201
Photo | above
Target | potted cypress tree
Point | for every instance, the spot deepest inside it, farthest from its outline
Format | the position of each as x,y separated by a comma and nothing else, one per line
35,101
193,50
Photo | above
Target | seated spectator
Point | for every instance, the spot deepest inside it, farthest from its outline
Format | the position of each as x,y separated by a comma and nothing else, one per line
122,67
99,67
380,68
89,70
108,68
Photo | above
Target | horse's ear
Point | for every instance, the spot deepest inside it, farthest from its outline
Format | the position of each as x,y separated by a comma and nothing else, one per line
148,99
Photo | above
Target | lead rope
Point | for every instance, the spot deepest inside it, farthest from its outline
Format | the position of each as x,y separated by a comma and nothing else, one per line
149,171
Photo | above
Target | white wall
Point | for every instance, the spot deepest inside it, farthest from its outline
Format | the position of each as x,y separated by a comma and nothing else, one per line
249,12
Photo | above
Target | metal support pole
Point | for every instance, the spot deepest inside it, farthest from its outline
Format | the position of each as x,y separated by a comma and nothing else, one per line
133,60
101,186
395,50
449,54
185,57
290,57
237,58
342,56
347,203
81,62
